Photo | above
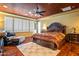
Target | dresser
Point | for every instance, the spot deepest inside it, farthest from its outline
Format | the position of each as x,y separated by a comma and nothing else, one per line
72,37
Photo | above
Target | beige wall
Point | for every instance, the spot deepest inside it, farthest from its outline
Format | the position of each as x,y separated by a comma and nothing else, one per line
70,19
1,21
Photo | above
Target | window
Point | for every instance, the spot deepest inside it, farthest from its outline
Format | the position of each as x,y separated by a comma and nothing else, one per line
21,25
18,25
25,25
39,27
31,26
8,21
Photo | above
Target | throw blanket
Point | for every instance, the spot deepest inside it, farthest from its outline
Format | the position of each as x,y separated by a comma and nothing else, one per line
55,37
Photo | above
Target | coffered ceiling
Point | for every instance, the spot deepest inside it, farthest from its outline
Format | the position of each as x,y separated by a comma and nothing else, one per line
28,9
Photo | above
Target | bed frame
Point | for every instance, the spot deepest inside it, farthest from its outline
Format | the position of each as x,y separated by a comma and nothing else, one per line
50,44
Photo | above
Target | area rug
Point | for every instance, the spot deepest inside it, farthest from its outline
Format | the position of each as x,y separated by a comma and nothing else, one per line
33,49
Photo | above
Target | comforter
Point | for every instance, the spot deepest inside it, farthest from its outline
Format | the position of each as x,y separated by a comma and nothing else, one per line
55,37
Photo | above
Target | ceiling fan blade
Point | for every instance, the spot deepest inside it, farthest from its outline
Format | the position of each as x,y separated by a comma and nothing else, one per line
42,11
41,14
37,8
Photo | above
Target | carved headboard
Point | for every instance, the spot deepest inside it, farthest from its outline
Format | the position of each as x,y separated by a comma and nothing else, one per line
58,27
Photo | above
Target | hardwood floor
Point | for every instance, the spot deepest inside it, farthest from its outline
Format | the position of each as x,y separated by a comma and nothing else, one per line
12,51
68,49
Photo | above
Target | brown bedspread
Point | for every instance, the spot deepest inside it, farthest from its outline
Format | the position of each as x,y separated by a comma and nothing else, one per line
56,37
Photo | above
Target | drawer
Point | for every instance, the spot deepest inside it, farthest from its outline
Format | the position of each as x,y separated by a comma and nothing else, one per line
73,37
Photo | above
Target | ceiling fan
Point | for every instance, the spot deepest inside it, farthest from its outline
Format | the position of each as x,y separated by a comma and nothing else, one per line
39,11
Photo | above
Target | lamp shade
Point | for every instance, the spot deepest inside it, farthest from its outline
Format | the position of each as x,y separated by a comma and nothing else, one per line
44,27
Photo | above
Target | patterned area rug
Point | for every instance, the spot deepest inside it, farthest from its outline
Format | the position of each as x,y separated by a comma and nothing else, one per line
33,49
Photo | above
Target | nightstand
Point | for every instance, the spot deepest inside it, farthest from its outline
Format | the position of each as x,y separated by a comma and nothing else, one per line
73,37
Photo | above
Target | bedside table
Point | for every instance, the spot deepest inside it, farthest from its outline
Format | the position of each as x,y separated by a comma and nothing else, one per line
73,37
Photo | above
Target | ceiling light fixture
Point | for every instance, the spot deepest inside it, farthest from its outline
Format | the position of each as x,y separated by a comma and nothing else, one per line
36,15
30,12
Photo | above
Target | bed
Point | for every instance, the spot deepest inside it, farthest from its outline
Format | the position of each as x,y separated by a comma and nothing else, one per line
53,38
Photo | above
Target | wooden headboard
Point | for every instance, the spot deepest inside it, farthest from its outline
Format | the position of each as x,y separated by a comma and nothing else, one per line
57,27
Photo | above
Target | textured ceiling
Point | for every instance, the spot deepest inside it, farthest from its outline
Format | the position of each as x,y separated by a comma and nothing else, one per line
27,9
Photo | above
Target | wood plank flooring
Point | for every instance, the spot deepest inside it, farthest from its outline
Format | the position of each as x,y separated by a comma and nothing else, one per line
68,49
